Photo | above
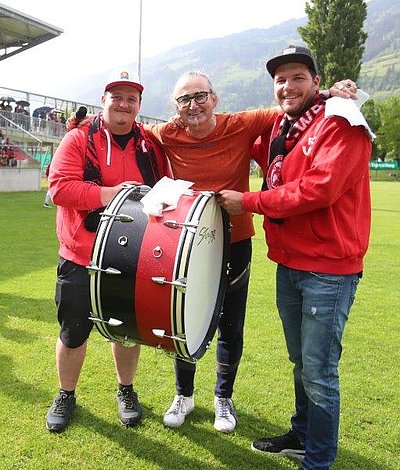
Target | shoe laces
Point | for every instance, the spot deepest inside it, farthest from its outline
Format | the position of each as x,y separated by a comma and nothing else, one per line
177,405
61,404
128,398
224,409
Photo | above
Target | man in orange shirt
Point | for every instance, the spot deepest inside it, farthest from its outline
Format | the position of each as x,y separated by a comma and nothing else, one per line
213,150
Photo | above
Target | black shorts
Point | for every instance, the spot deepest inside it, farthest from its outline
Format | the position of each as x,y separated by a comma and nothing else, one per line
73,303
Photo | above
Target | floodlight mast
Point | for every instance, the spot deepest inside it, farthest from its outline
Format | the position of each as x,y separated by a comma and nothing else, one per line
140,43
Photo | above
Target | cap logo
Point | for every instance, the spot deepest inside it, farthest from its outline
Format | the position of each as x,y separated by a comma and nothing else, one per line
289,50
124,76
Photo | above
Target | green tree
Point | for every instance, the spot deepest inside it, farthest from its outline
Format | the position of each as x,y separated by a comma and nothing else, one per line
389,133
372,115
334,33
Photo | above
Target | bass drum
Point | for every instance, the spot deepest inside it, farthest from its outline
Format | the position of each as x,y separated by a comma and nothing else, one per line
160,281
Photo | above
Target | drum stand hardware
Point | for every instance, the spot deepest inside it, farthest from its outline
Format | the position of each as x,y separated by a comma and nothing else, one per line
179,284
119,217
93,269
190,226
111,321
157,251
161,334
123,241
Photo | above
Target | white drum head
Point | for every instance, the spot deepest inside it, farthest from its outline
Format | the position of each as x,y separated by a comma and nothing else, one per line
204,275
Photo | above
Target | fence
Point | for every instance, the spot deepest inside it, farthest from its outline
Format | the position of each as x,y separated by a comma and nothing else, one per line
384,171
13,123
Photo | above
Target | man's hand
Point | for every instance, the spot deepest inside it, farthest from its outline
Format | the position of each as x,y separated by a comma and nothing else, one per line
231,201
177,121
344,89
109,192
73,121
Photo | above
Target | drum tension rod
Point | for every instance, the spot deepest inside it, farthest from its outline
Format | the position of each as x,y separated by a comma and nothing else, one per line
176,224
118,217
93,269
161,334
179,284
111,321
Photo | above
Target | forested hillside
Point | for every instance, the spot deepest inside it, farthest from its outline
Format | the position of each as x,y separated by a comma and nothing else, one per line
236,63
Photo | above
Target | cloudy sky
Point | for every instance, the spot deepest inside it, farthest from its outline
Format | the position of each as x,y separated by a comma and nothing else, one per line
100,36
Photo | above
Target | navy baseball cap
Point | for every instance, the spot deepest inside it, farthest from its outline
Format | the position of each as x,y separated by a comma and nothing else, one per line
297,54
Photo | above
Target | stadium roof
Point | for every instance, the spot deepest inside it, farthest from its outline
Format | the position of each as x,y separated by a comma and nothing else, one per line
19,32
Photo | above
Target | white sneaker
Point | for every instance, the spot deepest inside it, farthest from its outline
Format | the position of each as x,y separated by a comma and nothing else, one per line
225,415
176,414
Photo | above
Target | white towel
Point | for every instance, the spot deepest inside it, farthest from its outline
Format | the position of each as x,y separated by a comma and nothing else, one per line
164,196
349,109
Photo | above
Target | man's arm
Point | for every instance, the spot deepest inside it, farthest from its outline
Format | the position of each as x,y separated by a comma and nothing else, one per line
338,163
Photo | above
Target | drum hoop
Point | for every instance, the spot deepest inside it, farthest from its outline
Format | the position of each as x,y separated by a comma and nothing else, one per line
185,246
221,291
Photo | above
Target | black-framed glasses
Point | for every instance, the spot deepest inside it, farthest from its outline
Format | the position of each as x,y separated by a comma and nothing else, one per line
199,97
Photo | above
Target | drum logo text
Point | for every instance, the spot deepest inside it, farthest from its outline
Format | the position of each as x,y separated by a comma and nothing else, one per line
206,235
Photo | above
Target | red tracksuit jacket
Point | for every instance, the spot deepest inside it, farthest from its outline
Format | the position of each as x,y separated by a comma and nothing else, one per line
324,199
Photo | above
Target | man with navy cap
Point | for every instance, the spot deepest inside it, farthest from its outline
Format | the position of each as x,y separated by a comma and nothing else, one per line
316,205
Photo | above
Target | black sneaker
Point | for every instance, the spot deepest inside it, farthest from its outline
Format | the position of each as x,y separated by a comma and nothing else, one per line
288,444
129,409
60,412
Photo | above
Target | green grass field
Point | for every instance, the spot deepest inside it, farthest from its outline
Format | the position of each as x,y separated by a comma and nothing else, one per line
369,433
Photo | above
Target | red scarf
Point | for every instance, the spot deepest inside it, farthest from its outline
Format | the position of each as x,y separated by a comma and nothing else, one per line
289,134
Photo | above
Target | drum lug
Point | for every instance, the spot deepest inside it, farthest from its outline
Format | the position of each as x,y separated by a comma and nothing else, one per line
111,321
161,334
179,284
190,226
119,217
137,189
93,269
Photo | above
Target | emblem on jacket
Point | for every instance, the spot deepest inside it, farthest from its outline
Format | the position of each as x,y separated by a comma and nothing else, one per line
307,149
274,173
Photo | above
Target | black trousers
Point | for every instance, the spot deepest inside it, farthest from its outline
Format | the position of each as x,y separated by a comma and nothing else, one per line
230,328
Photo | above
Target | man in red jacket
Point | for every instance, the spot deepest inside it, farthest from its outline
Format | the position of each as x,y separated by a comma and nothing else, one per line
316,205
87,171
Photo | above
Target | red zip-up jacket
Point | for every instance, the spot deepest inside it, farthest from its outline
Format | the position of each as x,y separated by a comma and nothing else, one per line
324,200
75,197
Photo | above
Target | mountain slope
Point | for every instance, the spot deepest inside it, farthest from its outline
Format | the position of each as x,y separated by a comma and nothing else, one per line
236,63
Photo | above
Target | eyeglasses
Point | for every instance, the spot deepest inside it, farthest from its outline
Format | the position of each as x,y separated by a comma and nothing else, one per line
200,98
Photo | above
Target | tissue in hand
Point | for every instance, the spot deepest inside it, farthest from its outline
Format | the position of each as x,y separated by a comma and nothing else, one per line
164,196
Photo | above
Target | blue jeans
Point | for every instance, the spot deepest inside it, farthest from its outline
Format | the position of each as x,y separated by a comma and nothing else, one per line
314,308
230,329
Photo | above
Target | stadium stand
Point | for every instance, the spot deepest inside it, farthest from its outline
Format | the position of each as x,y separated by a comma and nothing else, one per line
33,123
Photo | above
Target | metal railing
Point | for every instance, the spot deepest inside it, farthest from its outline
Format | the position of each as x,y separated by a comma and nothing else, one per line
31,126
38,128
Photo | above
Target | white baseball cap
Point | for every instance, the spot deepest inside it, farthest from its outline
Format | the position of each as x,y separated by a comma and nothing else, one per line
123,77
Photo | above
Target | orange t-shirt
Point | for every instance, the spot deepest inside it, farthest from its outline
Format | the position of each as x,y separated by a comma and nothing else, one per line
220,160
